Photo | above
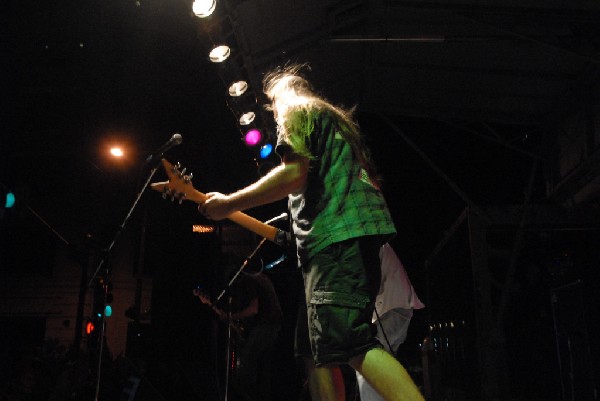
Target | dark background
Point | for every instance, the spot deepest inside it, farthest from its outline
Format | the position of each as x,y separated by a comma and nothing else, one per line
456,101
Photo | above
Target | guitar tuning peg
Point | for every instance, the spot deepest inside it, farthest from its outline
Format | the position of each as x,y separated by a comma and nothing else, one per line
188,178
176,167
181,198
182,172
165,192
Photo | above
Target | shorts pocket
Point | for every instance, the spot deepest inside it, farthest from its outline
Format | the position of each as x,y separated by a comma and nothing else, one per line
339,322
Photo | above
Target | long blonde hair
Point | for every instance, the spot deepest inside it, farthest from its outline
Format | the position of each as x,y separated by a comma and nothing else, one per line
295,104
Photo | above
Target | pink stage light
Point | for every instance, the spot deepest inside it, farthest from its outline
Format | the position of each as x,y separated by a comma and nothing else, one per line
252,137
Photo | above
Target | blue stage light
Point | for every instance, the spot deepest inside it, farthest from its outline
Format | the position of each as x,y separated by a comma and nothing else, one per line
266,150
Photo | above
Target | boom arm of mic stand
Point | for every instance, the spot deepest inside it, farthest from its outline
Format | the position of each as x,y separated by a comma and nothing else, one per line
240,269
122,226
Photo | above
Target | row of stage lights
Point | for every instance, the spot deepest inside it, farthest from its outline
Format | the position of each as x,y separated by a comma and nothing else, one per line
242,99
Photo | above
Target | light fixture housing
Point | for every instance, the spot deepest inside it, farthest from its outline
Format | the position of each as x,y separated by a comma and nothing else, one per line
219,53
238,88
203,8
247,118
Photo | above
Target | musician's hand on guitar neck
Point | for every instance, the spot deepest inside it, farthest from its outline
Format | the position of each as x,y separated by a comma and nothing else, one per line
216,206
205,299
221,314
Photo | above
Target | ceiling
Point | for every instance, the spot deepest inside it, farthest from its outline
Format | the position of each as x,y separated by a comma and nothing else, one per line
516,62
454,97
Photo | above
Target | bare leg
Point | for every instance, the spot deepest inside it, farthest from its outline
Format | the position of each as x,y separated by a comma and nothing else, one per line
387,376
325,383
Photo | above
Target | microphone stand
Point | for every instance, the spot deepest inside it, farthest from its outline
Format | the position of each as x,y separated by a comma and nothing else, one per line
235,276
228,359
102,262
229,322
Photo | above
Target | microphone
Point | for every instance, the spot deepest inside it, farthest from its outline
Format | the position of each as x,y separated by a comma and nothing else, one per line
276,262
174,141
282,216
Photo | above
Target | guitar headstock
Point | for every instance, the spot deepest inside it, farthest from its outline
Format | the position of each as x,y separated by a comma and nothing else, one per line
179,186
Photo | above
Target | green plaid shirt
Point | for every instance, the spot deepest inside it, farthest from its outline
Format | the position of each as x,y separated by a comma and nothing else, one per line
339,201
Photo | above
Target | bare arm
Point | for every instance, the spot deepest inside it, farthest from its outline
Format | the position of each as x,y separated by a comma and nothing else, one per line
289,177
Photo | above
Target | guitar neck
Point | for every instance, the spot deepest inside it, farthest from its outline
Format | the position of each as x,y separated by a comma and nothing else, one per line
244,220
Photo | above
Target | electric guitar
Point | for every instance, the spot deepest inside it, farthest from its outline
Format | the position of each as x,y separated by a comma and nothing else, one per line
237,326
179,186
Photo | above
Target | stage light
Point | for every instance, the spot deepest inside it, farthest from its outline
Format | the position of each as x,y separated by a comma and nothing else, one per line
247,118
117,152
202,229
253,137
10,200
238,88
203,8
108,311
89,328
266,150
219,54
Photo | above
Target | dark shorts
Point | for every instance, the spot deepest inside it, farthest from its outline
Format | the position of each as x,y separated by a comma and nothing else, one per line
341,283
